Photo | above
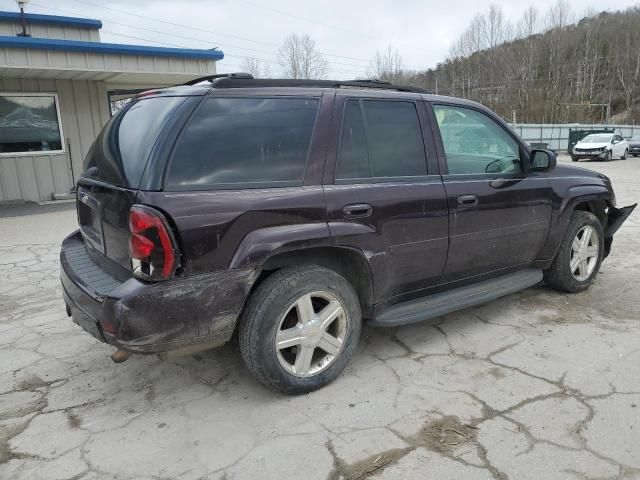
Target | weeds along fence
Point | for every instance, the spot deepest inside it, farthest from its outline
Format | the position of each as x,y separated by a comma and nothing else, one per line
556,136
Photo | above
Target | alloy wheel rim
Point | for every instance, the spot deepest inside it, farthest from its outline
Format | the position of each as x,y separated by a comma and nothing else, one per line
584,253
311,334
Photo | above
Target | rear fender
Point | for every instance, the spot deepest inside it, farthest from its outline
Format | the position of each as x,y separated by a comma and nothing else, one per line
263,243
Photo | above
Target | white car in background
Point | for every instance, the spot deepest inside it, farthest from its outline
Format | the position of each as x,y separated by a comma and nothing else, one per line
601,146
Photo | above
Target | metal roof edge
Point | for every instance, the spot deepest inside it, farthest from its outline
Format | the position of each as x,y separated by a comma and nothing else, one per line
112,48
38,18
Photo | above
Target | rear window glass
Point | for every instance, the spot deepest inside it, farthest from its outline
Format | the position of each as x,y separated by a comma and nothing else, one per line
120,153
244,141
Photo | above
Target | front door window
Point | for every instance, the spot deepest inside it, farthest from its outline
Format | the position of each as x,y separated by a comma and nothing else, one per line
474,143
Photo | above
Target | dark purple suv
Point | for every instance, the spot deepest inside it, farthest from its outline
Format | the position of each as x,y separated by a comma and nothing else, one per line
292,211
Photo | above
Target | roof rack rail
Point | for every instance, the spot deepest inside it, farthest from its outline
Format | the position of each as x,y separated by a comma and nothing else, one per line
377,81
235,81
212,78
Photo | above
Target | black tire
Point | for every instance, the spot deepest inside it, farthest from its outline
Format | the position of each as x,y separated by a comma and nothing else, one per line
608,156
574,159
559,275
260,322
624,155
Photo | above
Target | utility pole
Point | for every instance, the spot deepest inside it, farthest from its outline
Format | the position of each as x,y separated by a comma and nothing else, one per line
22,4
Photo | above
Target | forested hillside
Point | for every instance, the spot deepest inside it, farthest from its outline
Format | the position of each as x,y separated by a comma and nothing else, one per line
546,68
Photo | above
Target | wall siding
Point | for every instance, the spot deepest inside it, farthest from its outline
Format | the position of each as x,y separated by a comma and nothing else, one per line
83,111
50,31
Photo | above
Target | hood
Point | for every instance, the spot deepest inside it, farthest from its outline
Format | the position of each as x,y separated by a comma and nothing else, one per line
571,171
634,143
591,145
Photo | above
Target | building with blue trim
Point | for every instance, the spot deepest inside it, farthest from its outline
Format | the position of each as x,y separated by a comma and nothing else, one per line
56,89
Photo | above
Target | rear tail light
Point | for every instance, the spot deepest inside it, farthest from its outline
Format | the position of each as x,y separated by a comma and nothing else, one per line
151,244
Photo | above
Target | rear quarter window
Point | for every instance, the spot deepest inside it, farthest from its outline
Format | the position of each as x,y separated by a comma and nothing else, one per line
244,142
121,150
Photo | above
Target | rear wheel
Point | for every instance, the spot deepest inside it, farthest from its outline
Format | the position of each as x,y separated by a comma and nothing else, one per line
578,260
300,328
624,155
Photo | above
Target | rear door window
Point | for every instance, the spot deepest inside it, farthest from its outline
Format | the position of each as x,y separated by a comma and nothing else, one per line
380,139
244,142
120,153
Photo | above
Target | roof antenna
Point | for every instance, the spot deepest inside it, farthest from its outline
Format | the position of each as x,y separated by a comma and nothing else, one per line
22,4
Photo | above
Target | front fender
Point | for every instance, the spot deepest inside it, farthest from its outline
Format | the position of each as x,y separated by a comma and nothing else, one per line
573,196
261,244
583,193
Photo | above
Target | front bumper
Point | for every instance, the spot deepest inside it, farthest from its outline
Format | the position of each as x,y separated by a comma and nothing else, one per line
615,218
140,317
589,155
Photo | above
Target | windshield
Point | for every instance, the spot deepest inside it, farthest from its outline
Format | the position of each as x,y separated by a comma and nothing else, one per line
120,153
596,139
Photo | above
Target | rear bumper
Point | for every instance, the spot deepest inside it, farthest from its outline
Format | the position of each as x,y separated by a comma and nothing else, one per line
139,317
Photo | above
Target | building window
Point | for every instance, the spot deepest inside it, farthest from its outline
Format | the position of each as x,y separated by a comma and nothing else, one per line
30,123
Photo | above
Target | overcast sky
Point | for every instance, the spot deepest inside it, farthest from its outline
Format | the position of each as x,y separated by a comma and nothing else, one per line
421,30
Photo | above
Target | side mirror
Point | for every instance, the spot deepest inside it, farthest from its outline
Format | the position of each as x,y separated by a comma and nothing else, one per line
542,159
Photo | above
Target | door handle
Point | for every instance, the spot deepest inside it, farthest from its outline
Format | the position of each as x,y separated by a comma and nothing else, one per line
357,210
468,200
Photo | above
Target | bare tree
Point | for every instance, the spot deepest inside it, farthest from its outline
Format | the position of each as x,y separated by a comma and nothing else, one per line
496,28
255,67
299,58
627,60
530,23
553,68
559,15
386,65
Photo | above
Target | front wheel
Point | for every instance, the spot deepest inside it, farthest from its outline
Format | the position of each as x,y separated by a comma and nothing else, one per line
578,259
300,328
607,157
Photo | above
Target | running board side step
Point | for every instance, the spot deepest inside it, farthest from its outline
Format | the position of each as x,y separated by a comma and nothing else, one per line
438,304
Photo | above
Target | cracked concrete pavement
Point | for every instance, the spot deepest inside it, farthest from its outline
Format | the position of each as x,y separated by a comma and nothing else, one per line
535,385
